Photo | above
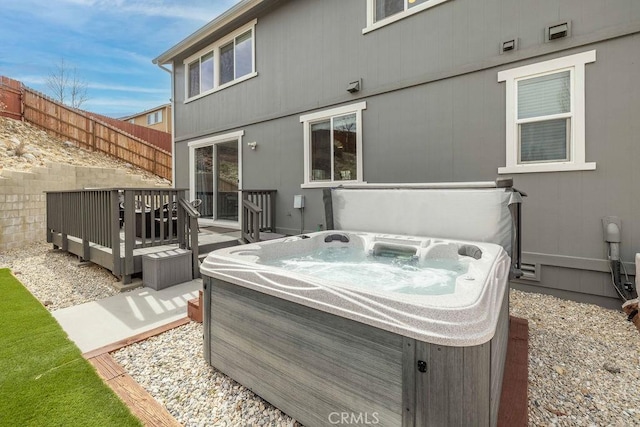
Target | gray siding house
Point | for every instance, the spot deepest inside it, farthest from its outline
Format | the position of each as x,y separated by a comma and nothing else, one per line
300,95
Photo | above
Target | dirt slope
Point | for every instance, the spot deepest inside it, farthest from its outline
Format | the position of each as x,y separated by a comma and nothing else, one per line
23,146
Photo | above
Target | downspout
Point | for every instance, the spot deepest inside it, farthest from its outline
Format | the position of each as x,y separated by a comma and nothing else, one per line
173,125
612,236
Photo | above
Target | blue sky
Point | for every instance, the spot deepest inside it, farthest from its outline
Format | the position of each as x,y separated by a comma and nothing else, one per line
110,42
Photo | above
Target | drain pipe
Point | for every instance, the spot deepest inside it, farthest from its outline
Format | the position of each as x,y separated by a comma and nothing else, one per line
164,68
611,227
173,124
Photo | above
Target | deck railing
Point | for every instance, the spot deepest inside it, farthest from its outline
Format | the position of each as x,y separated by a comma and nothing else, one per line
258,213
121,220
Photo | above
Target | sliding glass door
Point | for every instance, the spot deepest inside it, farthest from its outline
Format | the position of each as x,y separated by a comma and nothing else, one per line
215,179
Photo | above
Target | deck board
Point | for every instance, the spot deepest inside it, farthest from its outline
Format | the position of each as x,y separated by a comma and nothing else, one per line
136,338
106,366
140,402
513,410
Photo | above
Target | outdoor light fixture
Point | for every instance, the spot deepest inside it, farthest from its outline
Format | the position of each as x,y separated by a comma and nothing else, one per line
253,145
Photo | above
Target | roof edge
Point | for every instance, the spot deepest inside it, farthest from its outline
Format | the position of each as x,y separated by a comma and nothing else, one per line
130,116
221,20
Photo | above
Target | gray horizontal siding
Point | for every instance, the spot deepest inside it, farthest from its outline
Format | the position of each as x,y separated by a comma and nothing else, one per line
435,112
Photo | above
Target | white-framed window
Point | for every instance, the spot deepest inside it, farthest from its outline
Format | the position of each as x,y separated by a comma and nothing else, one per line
333,146
228,61
385,12
155,117
545,108
132,121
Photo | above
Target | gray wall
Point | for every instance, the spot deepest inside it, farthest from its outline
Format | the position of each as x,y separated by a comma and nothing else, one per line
436,112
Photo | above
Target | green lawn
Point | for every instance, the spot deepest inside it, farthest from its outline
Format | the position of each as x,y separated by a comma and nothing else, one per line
44,380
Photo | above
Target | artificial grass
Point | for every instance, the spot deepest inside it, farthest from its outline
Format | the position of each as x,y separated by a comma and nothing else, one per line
44,380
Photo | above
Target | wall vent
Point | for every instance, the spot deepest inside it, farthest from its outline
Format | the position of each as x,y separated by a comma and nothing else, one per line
508,46
557,31
530,272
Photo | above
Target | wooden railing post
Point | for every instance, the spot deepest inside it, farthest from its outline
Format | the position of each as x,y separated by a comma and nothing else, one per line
272,203
193,225
129,235
115,232
84,207
258,213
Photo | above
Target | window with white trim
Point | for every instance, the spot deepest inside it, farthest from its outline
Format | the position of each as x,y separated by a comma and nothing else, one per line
228,61
155,117
545,107
333,146
384,12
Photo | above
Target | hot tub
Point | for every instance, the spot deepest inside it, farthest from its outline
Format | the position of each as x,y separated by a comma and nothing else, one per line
398,316
372,327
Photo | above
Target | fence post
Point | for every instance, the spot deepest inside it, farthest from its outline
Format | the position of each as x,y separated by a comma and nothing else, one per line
21,102
92,127
155,161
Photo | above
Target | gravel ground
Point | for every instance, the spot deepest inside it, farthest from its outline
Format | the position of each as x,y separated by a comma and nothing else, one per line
584,367
55,277
584,361
172,368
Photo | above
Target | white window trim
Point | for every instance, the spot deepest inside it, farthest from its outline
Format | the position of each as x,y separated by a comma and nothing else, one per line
371,14
212,141
308,119
215,48
154,118
575,63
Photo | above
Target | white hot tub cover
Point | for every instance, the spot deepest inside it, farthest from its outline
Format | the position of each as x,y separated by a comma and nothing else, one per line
462,211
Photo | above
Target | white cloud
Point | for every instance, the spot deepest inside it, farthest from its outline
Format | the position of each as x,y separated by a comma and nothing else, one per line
161,8
31,80
123,88
129,104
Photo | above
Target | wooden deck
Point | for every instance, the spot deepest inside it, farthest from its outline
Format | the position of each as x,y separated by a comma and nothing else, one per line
101,255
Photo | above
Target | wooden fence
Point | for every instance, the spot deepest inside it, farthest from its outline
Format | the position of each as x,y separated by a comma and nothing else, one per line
153,136
81,127
10,98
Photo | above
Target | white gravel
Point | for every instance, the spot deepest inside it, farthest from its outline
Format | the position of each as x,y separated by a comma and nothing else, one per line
55,277
172,368
584,360
575,352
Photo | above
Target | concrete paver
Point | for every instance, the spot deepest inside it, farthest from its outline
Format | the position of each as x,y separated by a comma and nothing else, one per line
99,323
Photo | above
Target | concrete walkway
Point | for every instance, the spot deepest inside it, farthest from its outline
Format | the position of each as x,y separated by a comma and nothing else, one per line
100,323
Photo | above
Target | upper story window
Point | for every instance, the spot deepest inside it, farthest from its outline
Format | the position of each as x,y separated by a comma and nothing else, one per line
228,61
384,12
155,117
545,107
333,146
